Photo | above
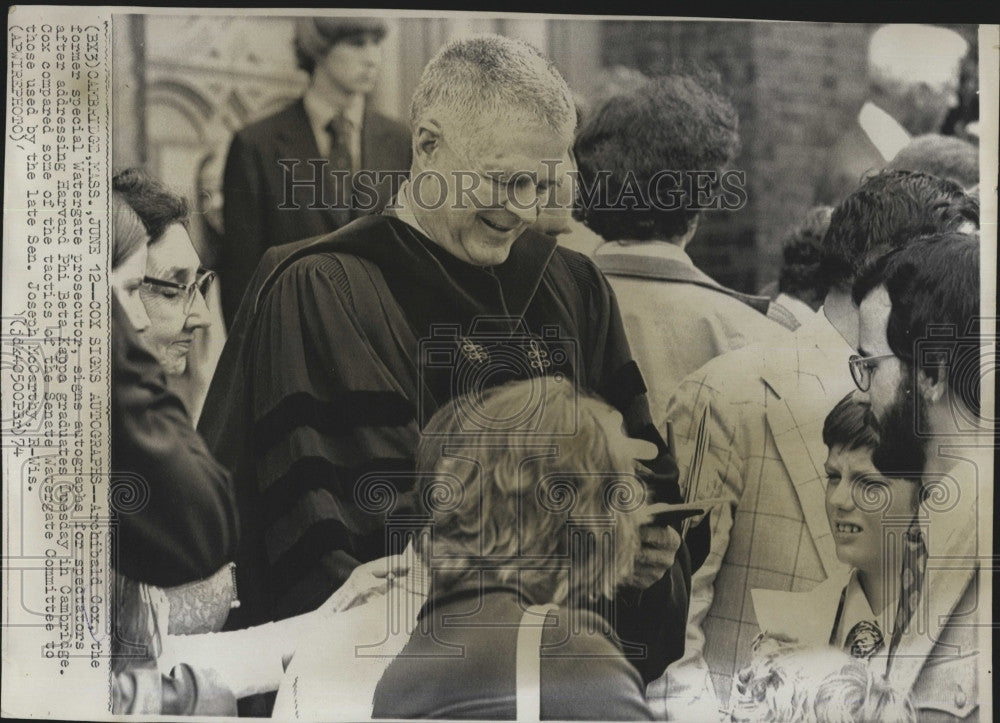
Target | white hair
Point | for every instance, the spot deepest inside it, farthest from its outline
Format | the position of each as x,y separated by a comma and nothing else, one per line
912,54
483,81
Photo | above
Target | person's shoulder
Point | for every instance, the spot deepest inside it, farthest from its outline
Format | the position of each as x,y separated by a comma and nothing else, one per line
569,254
576,631
328,256
734,384
263,129
587,675
735,368
390,125
750,322
582,268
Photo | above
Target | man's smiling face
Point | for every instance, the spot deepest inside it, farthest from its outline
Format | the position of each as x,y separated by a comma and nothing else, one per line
491,199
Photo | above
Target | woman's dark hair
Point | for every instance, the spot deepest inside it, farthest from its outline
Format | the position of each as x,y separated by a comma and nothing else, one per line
851,425
677,124
156,205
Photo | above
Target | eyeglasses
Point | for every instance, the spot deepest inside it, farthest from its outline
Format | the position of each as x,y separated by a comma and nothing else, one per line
173,290
862,368
512,188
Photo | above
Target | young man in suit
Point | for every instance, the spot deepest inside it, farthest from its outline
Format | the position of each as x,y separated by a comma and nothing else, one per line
764,412
317,164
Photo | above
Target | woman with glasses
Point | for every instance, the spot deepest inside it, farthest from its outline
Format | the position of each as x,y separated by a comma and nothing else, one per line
158,459
173,287
185,332
172,294
174,503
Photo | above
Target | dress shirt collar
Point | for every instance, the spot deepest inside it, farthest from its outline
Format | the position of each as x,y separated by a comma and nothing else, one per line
648,249
816,330
884,131
402,208
322,109
857,609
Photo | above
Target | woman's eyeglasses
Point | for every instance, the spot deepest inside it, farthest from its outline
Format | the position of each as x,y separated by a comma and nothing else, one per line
173,290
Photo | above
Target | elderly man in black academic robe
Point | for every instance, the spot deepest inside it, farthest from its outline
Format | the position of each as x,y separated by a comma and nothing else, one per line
345,345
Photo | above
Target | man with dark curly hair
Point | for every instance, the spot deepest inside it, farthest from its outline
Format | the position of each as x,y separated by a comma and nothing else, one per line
652,161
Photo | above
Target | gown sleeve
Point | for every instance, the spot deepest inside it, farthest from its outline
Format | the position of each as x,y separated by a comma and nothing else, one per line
332,438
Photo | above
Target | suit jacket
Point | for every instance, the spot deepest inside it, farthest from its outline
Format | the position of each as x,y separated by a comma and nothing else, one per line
254,186
940,653
764,412
677,318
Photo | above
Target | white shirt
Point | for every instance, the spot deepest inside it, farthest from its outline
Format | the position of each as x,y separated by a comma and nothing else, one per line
884,131
402,207
320,111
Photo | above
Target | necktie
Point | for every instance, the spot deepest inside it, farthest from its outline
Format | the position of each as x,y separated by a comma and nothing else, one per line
864,640
910,583
340,160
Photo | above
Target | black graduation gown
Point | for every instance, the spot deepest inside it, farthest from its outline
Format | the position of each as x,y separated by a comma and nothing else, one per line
330,368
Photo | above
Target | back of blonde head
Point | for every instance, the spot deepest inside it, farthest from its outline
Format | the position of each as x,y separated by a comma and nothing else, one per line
510,500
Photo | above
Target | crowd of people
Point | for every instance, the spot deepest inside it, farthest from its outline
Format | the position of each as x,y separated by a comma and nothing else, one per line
484,443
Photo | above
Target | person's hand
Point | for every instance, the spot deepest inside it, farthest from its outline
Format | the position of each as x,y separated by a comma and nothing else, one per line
367,581
659,547
768,643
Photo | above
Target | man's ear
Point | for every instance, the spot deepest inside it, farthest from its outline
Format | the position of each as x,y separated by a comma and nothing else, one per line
427,141
933,390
